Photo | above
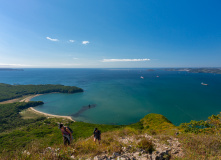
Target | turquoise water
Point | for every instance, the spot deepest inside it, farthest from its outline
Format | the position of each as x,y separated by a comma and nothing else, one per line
122,97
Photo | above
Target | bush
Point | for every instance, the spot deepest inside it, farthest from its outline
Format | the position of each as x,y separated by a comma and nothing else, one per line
146,145
212,125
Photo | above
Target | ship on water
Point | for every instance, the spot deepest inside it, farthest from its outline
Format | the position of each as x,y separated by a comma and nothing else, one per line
204,84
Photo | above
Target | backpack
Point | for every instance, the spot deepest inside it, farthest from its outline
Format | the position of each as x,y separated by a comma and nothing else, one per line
69,129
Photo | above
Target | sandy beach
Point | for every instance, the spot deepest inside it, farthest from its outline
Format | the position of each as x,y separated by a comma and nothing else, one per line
27,99
50,115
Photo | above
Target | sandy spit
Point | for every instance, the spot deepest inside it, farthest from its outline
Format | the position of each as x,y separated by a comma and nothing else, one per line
50,115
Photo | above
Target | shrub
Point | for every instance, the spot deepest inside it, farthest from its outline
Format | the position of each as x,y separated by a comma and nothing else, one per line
146,145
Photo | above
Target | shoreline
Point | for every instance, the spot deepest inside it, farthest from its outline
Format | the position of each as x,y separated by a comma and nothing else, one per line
50,115
27,99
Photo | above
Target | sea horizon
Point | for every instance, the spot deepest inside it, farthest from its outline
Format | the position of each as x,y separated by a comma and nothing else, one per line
105,68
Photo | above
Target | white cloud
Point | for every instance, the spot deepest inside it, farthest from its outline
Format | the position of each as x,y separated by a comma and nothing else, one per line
124,60
72,41
51,39
85,42
75,58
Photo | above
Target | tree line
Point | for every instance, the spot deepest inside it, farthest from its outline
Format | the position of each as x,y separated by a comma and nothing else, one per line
10,117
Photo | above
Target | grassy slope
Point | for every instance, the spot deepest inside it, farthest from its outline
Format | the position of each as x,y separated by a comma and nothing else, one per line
24,131
47,133
16,132
36,137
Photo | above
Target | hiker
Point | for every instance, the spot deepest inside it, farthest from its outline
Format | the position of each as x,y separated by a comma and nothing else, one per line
97,135
66,133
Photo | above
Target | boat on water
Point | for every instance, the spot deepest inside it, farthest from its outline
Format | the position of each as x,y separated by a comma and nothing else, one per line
141,77
157,76
204,84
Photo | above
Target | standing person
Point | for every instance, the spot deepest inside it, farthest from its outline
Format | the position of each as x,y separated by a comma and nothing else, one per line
66,133
97,135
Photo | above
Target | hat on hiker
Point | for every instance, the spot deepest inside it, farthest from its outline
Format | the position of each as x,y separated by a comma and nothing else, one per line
61,125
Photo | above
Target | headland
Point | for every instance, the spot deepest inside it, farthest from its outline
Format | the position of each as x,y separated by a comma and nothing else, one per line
196,70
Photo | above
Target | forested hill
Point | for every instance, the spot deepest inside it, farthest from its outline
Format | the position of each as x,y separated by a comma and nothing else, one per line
15,91
10,117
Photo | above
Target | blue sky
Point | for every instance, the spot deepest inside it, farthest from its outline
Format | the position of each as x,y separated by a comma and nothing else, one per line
110,33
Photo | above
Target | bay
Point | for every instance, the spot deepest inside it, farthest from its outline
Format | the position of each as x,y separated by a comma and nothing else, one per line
120,96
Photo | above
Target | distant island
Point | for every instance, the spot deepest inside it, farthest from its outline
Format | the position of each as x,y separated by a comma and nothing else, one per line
196,70
10,69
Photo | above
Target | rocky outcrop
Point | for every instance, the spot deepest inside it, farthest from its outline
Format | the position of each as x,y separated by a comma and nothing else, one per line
162,151
164,148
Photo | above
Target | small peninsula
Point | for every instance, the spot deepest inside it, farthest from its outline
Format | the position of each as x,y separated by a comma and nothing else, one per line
9,92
